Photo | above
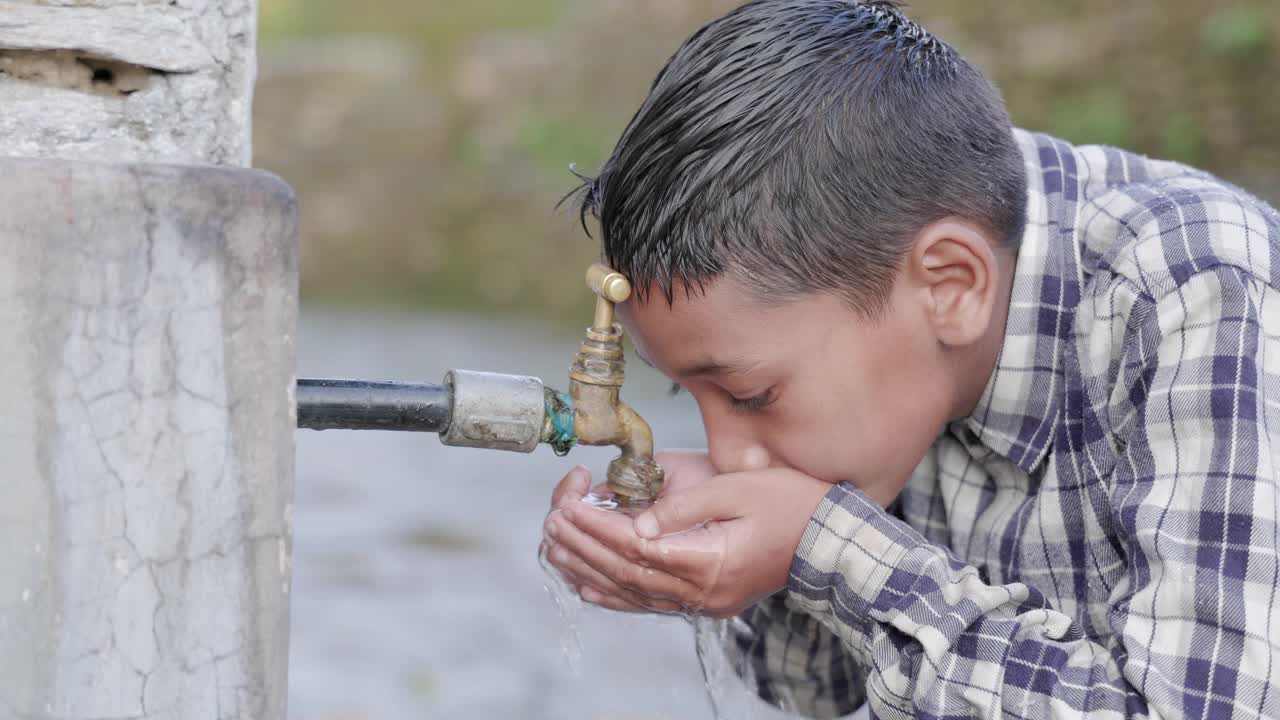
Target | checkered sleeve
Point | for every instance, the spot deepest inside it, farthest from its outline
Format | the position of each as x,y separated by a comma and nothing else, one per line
796,663
1191,497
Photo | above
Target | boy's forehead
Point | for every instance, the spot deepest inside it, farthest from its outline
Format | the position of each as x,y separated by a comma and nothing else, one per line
693,312
665,333
715,328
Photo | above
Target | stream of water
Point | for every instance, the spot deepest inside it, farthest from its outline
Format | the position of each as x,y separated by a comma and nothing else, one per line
418,591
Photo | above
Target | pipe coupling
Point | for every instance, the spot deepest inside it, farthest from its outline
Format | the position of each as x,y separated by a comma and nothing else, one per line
495,411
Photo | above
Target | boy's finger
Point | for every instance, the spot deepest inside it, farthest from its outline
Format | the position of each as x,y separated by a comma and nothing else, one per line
578,575
684,468
569,564
610,602
573,486
584,576
681,511
697,555
585,542
694,557
630,602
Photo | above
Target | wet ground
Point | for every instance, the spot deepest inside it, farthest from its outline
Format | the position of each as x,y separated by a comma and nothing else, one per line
417,591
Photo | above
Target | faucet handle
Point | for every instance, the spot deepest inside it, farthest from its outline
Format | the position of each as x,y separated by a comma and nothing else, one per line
610,286
608,283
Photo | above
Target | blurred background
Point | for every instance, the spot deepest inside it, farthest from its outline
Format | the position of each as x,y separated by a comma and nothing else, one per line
429,143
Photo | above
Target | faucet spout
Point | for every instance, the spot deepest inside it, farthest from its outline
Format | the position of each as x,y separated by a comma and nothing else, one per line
635,475
637,438
601,417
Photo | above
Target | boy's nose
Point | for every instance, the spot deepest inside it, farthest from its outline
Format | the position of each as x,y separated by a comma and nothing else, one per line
738,458
733,452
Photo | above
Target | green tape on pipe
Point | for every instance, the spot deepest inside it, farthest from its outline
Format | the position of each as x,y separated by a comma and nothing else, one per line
560,410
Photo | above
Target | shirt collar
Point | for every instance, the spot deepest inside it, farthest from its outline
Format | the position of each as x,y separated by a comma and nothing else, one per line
1019,411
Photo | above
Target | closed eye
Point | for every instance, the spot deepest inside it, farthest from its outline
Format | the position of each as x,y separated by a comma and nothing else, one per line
752,404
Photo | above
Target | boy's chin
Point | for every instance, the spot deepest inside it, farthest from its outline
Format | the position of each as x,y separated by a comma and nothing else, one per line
881,492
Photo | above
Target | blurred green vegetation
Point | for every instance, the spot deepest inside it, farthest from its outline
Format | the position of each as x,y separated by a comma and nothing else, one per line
430,140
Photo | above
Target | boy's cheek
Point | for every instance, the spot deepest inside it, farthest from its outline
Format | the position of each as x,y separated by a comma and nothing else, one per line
883,489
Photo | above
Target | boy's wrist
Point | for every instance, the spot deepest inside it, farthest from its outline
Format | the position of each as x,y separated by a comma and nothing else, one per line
850,542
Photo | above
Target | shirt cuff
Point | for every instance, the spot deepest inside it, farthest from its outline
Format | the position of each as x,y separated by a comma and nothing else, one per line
850,550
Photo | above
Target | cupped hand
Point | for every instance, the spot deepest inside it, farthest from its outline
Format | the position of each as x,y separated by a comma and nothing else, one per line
683,469
711,544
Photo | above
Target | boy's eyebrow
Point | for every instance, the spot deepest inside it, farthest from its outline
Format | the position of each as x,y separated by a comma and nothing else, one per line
709,367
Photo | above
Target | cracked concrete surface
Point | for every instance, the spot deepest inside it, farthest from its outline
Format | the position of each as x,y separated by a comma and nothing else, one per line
147,319
128,80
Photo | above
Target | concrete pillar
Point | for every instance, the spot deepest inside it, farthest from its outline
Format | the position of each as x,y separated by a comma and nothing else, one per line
147,315
127,80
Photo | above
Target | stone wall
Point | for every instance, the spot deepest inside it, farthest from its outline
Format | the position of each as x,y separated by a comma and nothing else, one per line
127,80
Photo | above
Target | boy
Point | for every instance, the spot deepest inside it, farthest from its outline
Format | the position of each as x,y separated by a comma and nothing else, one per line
988,415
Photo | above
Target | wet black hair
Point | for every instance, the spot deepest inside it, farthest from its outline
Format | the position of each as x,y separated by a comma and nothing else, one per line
800,145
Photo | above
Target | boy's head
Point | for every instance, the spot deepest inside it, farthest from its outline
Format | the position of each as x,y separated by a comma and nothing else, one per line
823,200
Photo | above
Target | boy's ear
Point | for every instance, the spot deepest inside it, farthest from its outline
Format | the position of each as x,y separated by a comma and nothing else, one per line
954,266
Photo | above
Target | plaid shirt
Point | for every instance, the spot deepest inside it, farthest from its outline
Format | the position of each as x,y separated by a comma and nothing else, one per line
1100,536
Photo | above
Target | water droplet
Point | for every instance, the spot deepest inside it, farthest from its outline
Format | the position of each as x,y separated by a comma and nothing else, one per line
604,502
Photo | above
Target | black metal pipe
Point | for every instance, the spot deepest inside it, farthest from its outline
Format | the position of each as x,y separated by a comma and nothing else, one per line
364,405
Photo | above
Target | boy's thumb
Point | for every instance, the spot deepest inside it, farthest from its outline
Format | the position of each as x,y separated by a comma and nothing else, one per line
576,482
682,511
647,525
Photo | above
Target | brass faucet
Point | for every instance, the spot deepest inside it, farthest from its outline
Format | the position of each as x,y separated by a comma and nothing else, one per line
513,412
600,415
